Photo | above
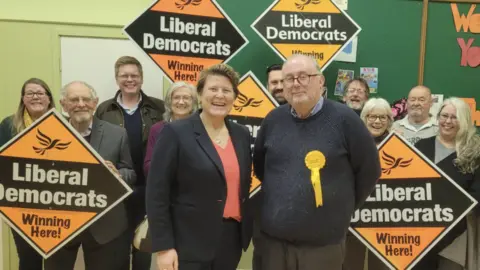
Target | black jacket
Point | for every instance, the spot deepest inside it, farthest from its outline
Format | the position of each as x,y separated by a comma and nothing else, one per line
186,189
151,108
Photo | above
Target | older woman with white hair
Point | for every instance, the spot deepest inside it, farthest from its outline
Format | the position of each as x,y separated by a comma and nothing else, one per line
456,151
180,102
378,117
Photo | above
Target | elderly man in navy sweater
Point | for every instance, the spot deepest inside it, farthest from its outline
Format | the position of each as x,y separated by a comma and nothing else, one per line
317,163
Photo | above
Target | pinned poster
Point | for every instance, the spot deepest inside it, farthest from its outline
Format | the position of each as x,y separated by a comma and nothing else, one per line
185,37
342,78
54,184
319,29
413,206
371,76
437,100
253,103
349,53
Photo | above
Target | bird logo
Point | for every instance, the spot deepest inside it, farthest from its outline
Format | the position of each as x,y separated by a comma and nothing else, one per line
394,163
245,101
304,3
48,144
181,4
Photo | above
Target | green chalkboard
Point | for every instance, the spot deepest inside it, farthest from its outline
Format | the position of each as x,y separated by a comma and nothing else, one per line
389,40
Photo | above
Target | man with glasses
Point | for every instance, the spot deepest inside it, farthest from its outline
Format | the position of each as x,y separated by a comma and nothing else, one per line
419,123
105,245
355,94
136,112
317,163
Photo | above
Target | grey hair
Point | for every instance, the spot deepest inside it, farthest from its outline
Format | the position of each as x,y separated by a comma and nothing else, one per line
167,115
374,103
467,141
311,58
63,91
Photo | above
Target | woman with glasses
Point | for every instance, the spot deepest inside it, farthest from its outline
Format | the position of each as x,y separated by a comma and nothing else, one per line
378,117
456,151
36,99
180,102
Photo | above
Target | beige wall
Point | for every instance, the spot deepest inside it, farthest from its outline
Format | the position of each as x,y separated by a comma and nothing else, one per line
30,33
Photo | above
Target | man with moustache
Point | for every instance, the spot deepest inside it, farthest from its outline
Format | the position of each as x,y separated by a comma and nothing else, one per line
137,113
105,245
275,83
355,94
317,163
418,124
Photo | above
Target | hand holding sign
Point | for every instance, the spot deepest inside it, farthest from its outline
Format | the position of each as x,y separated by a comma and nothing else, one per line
112,168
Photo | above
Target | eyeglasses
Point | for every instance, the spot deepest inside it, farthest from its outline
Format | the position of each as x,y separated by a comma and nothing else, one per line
125,77
38,94
446,116
76,100
185,98
372,118
356,90
302,79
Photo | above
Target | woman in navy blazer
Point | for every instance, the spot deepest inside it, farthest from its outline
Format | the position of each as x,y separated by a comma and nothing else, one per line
199,182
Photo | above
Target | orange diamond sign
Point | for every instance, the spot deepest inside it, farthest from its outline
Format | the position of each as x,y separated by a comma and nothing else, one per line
54,185
413,206
253,103
184,37
317,28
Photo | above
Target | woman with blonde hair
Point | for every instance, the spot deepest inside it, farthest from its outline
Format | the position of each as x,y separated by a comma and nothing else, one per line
36,99
456,151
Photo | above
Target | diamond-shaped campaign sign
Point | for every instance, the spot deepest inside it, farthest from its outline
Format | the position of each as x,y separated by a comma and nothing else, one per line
317,28
54,185
253,103
413,206
183,37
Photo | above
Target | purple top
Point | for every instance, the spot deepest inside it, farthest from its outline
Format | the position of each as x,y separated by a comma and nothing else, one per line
152,138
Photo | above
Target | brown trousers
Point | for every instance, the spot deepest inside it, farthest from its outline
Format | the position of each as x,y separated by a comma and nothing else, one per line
281,255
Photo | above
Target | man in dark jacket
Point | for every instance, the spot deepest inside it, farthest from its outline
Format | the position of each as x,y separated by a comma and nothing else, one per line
136,112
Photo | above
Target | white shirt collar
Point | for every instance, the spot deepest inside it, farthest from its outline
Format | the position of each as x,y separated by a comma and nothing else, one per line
405,123
128,110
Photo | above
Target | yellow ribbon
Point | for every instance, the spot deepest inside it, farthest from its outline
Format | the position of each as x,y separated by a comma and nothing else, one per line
315,161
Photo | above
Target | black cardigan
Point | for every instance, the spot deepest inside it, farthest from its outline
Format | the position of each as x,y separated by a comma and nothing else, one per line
469,181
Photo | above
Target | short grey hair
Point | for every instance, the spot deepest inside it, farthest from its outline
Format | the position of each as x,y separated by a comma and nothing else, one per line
167,115
377,103
63,91
311,58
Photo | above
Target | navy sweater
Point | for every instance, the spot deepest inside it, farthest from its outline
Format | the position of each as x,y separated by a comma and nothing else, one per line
134,125
351,170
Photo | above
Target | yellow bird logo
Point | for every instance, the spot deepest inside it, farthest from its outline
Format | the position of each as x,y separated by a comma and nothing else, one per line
181,4
48,143
304,3
244,101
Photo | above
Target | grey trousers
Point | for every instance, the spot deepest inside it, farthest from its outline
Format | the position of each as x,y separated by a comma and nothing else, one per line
281,255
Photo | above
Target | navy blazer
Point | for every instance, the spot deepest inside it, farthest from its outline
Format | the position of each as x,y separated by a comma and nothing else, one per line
186,189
